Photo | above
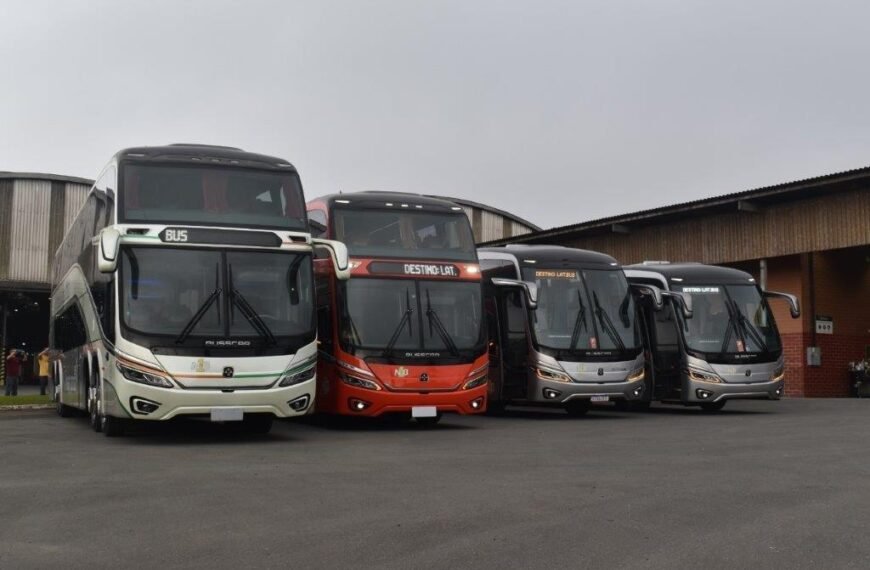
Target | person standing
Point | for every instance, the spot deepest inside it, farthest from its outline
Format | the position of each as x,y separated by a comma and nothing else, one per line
13,372
42,363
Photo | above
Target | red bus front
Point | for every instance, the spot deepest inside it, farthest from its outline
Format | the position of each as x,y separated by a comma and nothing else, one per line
404,334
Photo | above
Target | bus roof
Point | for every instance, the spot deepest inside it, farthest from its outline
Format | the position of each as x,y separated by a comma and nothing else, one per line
380,199
695,273
205,154
553,254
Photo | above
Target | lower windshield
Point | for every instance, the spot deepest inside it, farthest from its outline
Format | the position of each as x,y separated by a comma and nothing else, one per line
397,316
193,293
582,310
729,319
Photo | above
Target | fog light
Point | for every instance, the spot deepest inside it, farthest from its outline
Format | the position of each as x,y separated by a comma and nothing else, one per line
638,390
549,393
143,406
477,403
300,403
358,405
779,391
703,394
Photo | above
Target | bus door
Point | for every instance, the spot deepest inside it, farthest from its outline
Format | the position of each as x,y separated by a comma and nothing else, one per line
490,307
665,344
514,345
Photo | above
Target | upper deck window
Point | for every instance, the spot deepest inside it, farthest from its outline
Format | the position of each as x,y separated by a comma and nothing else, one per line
406,234
214,196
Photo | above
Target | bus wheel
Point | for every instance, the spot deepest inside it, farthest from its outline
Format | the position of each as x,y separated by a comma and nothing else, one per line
495,408
427,423
95,409
112,426
713,406
259,424
576,408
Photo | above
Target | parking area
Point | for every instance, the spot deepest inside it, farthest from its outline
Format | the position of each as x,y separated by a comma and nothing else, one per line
762,484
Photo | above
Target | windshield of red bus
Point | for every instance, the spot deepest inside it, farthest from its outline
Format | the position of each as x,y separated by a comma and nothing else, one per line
401,316
215,196
405,234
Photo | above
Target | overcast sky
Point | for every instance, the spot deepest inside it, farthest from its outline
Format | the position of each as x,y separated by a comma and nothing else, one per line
557,111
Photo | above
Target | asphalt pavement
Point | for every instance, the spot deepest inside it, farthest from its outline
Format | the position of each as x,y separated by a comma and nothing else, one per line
760,485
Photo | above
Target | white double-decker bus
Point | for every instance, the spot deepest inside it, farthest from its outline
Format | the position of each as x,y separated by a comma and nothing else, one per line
185,287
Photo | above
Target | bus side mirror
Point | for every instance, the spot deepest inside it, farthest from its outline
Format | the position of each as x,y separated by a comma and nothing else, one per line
530,289
793,303
107,254
654,292
316,228
338,253
684,300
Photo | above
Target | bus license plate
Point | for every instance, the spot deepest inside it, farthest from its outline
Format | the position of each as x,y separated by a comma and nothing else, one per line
227,414
600,398
424,411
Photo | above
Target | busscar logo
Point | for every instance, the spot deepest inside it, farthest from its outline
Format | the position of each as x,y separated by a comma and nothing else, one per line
601,372
229,372
424,377
401,372
748,373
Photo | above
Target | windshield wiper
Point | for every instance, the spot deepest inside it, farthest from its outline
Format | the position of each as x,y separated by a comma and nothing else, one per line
252,317
442,331
188,328
607,324
748,327
579,320
406,318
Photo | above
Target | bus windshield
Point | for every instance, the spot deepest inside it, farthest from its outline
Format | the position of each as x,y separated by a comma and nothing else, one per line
194,293
729,319
204,195
405,234
583,310
401,316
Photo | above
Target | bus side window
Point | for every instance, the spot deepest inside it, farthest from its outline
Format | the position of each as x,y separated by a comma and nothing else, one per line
318,228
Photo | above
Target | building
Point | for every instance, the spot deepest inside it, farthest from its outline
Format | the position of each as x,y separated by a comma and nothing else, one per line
488,223
809,237
35,212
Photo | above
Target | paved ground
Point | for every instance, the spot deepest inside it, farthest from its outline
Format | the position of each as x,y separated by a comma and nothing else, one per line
767,485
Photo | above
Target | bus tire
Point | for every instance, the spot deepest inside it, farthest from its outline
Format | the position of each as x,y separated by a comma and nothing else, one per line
95,408
577,408
713,406
112,426
259,424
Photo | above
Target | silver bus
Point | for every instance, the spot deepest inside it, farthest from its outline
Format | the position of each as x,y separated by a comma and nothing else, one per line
730,347
562,326
185,287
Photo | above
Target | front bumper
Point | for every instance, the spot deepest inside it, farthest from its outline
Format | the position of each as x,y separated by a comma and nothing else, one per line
731,391
543,390
176,402
384,401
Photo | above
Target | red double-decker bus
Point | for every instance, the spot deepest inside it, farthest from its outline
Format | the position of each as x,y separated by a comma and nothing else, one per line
405,334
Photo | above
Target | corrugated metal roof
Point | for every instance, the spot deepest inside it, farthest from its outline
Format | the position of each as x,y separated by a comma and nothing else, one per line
767,194
485,208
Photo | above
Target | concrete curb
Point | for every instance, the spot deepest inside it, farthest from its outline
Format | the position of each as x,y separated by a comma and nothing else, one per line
18,407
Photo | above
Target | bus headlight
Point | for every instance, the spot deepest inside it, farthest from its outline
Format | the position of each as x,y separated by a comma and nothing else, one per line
778,374
292,378
635,375
474,383
703,376
358,382
142,377
552,375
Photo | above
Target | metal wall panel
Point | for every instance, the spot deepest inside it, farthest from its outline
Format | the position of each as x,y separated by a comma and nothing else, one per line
518,229
75,199
491,226
29,240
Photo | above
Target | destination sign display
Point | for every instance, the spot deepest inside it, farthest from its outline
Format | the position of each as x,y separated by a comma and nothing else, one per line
555,274
221,237
701,290
414,269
